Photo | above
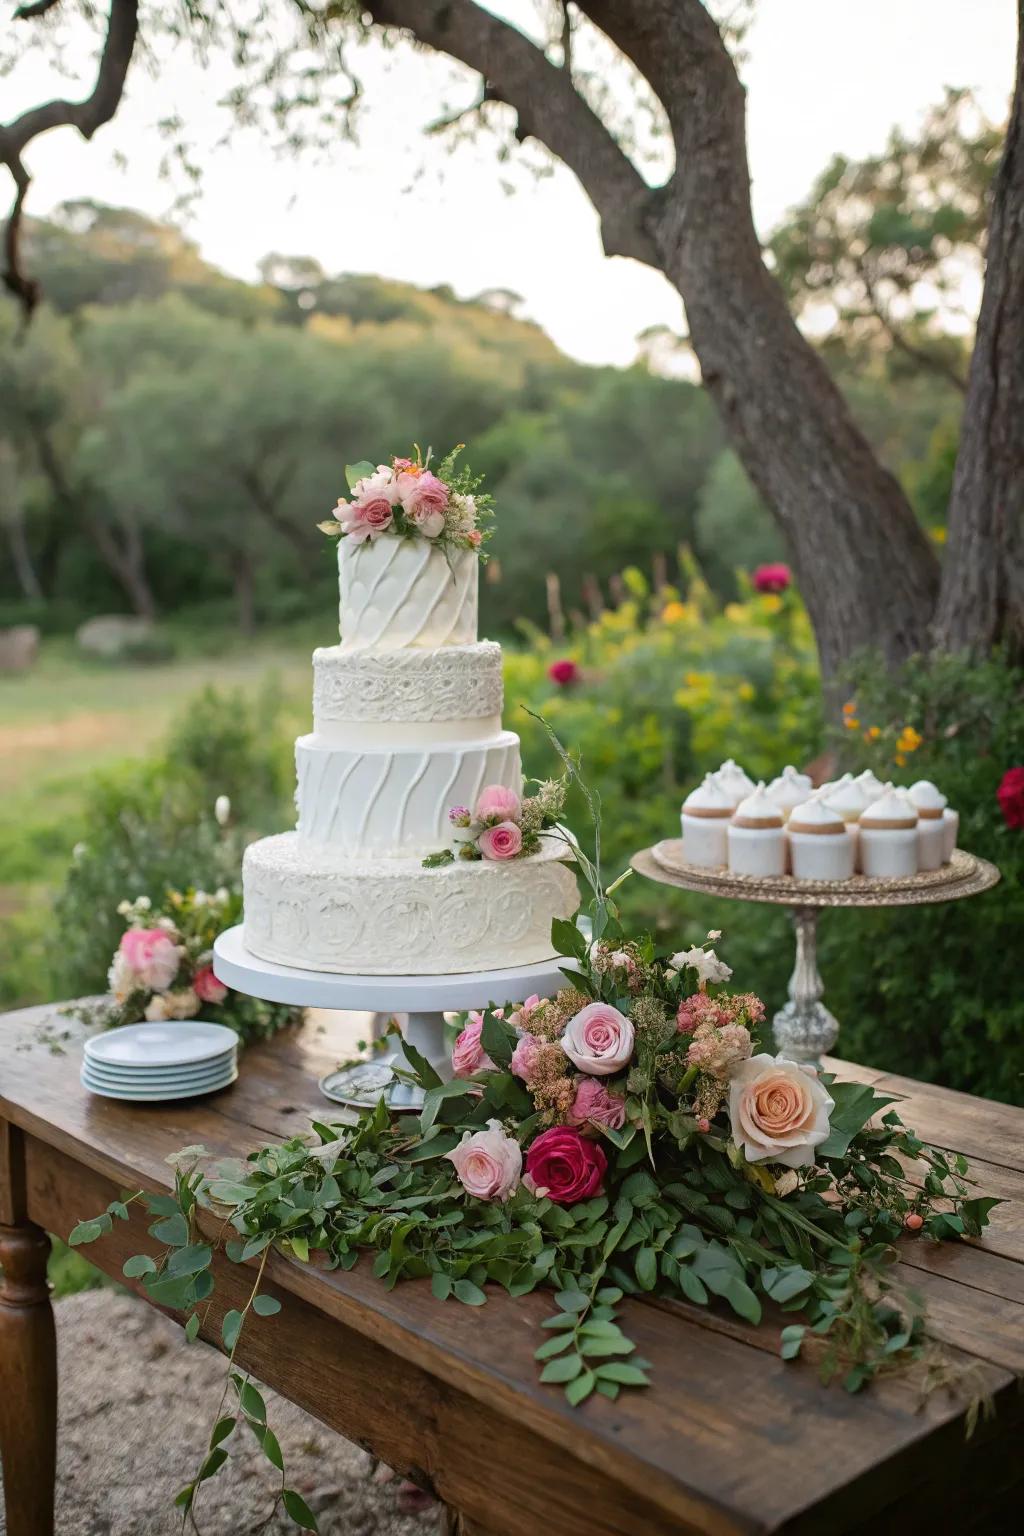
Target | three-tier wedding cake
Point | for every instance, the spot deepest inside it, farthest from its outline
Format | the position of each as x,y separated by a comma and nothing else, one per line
407,736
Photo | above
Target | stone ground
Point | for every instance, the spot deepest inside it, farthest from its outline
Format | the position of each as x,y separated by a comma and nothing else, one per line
136,1406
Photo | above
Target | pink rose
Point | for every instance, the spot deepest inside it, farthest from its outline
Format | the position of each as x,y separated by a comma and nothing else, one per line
152,955
362,520
518,1017
1010,795
468,1055
599,1040
565,1166
496,803
207,987
564,672
775,577
504,841
524,1057
778,1110
424,498
488,1163
594,1105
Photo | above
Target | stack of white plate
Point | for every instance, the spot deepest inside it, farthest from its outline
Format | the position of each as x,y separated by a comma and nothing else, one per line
152,1062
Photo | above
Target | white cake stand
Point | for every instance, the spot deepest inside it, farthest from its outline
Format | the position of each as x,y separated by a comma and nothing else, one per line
423,1000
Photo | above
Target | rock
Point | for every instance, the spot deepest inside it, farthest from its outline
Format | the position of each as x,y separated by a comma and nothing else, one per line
19,647
136,1407
112,634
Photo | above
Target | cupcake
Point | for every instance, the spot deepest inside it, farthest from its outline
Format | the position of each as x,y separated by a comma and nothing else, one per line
849,799
756,841
819,846
789,789
871,784
735,781
705,819
888,836
930,805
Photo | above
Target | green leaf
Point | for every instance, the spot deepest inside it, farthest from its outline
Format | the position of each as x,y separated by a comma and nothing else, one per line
119,1209
173,1291
624,1374
271,1446
356,472
441,1285
566,1368
221,1430
471,1294
251,1402
161,1205
692,1287
192,1328
572,1300
428,1076
300,1247
189,1260
212,1464
173,1231
86,1232
266,1306
609,1295
434,1146
582,1387
230,1328
553,1346
792,1339
138,1264
568,939
646,1266
789,1282
560,1320
299,1510
595,1348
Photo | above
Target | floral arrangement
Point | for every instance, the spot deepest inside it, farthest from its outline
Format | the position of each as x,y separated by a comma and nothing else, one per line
163,966
407,499
502,825
626,1137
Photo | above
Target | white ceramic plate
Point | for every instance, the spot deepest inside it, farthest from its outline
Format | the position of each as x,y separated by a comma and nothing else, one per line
156,1075
145,1082
157,1096
177,1044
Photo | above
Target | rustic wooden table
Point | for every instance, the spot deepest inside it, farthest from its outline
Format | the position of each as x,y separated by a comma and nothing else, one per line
729,1440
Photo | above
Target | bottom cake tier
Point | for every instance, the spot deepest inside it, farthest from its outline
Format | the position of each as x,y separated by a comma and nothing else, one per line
308,907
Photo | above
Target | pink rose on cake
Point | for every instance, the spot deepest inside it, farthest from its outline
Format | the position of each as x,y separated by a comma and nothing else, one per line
496,803
363,520
424,499
505,841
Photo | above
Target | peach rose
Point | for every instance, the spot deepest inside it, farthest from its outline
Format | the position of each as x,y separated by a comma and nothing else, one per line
599,1040
504,841
778,1110
496,803
488,1163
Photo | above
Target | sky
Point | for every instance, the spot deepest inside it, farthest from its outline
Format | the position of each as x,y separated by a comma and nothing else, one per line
822,76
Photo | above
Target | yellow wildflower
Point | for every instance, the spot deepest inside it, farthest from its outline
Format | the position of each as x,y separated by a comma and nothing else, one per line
674,612
852,723
909,740
872,733
900,760
746,692
771,602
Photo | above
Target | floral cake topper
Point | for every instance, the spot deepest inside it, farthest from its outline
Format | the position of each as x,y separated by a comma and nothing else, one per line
408,499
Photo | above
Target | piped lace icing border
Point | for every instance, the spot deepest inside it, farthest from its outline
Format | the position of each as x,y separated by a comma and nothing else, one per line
451,683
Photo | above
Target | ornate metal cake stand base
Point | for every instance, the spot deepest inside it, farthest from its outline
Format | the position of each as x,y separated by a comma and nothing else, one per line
804,1029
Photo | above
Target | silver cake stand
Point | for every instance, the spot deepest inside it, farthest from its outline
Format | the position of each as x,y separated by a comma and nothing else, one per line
804,1028
422,1000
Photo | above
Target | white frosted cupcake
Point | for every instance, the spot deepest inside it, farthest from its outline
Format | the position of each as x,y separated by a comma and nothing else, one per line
789,789
735,781
930,805
757,843
819,845
871,784
888,836
705,818
849,799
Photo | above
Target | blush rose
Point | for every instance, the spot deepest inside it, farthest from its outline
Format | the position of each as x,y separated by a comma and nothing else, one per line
565,1166
594,1105
498,803
598,1040
778,1110
524,1057
424,498
488,1163
362,520
505,841
152,956
468,1055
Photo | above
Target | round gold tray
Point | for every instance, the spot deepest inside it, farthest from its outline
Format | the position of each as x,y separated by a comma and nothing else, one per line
964,875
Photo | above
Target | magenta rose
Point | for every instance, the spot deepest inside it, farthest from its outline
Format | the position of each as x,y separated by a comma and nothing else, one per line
496,803
206,986
565,1166
1010,795
564,672
362,520
594,1105
774,577
468,1055
505,841
598,1040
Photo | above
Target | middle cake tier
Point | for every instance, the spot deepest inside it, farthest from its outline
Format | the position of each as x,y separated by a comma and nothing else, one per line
393,801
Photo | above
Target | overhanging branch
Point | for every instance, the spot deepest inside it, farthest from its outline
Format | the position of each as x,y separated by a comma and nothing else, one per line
87,116
548,106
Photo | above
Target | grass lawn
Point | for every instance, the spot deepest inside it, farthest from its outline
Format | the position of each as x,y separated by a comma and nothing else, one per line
70,716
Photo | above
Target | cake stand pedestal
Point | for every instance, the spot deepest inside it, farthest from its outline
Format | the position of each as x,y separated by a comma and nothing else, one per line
804,1028
423,1000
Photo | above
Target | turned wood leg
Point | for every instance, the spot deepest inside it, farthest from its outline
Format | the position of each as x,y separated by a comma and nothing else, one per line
28,1382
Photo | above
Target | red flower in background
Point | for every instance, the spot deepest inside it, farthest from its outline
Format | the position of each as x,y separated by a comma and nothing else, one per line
1010,795
772,578
564,673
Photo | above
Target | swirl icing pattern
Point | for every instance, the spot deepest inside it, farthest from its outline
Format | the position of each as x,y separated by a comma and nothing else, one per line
403,592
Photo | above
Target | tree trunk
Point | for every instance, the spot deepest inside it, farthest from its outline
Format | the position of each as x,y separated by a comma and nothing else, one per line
243,580
122,552
21,557
982,598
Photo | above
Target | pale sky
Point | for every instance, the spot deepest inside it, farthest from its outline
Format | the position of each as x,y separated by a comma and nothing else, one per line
822,76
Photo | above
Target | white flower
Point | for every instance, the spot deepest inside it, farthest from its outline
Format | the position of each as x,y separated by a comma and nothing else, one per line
143,903
787,1183
383,483
778,1110
183,1004
221,893
705,962
716,933
79,851
123,908
222,810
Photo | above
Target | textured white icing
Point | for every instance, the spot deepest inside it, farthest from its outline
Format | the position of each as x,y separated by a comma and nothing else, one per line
395,803
313,908
391,693
403,592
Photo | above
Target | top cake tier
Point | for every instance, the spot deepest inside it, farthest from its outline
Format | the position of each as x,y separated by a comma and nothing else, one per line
397,593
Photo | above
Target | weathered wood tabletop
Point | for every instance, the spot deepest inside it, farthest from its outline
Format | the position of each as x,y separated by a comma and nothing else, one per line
728,1439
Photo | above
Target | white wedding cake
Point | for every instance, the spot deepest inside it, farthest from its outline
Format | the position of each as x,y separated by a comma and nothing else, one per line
406,726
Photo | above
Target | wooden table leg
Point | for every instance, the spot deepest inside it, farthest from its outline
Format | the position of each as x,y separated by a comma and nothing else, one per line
28,1382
